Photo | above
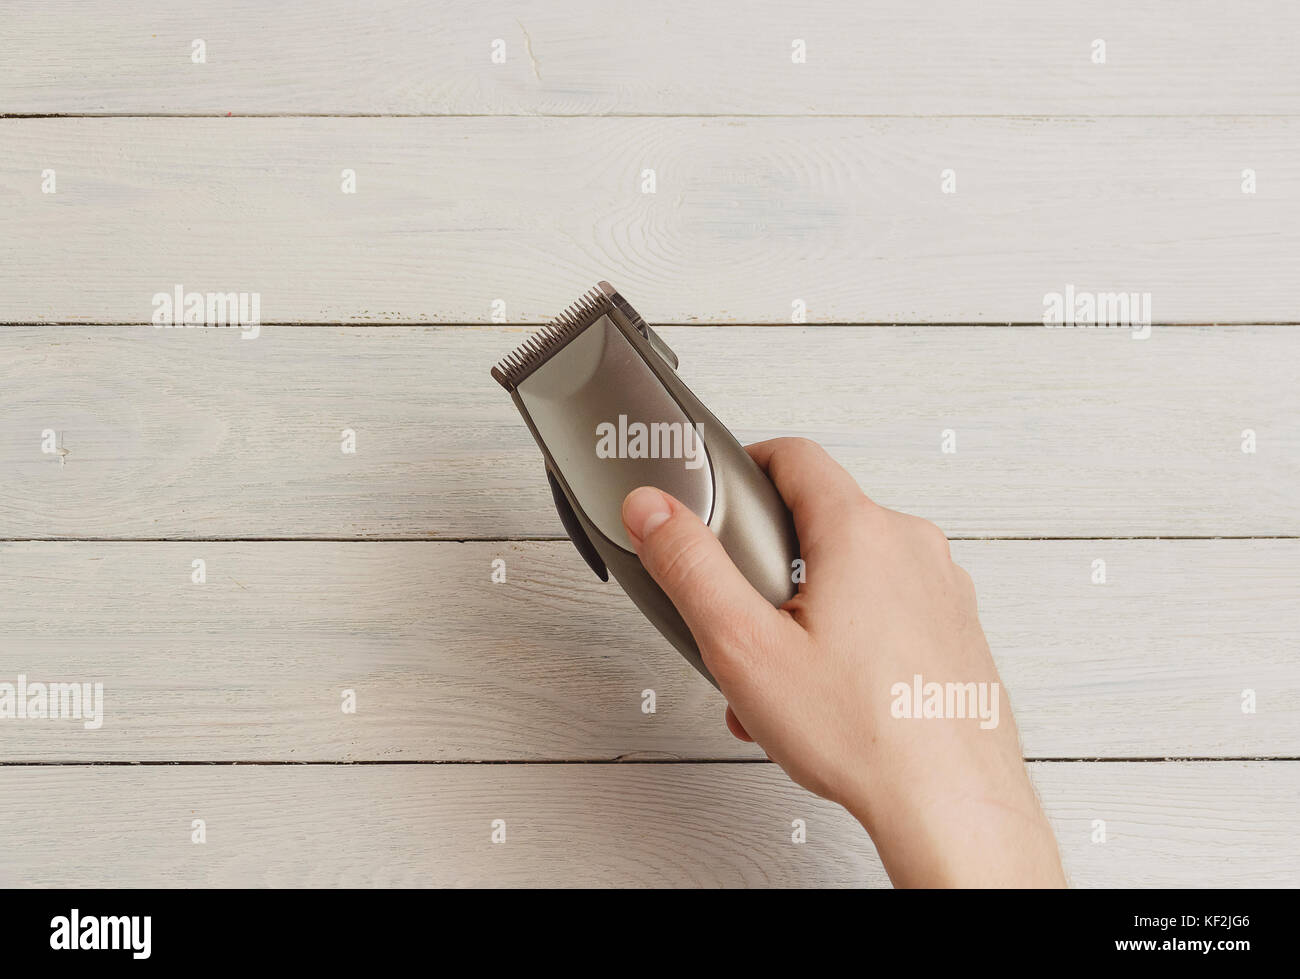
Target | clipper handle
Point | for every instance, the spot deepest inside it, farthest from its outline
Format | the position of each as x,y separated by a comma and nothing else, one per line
755,528
749,518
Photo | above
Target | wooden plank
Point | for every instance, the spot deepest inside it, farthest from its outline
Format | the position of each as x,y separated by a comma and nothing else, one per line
414,56
1075,433
1167,825
846,216
551,664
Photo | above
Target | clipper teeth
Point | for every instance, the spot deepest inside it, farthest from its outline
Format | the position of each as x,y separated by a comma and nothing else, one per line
539,347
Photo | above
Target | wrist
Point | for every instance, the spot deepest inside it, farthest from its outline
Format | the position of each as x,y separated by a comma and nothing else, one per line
965,840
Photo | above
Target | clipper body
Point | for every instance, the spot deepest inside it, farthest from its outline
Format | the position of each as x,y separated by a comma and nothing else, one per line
599,390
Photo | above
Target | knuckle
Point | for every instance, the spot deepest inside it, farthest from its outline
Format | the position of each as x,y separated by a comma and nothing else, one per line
859,511
886,522
964,581
862,522
801,450
862,507
928,533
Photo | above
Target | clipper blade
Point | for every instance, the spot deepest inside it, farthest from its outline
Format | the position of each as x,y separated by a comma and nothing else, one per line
542,345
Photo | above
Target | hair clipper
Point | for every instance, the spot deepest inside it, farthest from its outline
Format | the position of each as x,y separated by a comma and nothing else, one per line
599,390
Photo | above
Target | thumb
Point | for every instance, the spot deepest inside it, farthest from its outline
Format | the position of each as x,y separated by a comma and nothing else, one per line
688,562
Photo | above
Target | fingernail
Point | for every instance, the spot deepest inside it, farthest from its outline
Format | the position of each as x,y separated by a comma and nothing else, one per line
644,510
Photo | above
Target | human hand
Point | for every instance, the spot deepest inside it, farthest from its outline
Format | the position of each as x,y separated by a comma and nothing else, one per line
947,800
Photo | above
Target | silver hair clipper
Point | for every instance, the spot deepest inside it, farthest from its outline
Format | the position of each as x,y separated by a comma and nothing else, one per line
599,391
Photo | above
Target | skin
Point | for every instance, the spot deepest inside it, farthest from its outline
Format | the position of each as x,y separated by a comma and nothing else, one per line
946,802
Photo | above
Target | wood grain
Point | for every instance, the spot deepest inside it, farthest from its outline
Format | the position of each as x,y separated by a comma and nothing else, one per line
749,216
1167,825
1060,433
671,57
552,663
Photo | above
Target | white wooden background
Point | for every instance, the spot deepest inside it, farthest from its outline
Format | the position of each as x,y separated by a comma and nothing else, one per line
521,181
